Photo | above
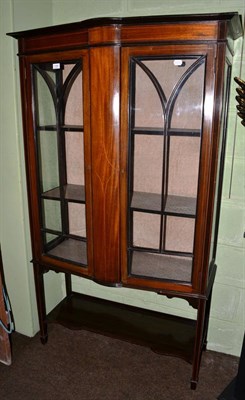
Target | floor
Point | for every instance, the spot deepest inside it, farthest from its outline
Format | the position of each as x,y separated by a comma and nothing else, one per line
80,365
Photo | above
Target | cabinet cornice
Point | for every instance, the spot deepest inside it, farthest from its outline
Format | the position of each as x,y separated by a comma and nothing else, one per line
108,31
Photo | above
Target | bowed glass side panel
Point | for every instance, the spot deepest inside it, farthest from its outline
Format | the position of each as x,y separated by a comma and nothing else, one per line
166,107
58,118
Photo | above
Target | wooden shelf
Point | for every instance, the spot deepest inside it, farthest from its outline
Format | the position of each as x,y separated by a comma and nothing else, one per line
71,250
161,266
69,128
72,128
174,205
163,333
170,132
143,201
74,193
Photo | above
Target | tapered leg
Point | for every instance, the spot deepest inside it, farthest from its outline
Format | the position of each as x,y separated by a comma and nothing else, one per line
198,342
68,284
206,320
41,306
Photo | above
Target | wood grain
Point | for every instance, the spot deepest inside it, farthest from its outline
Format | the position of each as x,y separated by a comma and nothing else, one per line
105,64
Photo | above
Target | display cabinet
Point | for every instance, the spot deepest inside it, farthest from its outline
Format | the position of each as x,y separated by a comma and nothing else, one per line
124,129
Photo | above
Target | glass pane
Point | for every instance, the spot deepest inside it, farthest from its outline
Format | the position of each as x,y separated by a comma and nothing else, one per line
50,239
74,103
220,165
44,102
179,234
48,160
168,72
74,158
171,86
77,219
183,168
148,161
51,215
148,109
146,230
187,111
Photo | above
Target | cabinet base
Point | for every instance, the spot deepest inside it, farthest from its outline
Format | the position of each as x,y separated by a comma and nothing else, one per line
164,334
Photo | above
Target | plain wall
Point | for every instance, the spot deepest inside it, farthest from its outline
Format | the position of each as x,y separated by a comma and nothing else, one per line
17,15
227,314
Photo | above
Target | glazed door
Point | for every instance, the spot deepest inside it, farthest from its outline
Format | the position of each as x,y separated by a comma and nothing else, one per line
165,163
60,143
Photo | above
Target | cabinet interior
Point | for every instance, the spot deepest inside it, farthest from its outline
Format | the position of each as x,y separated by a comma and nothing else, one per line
58,94
166,103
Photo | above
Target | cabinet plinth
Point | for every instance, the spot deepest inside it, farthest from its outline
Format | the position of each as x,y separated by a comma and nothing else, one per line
124,129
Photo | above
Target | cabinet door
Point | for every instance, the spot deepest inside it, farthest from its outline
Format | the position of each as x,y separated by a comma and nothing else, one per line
165,139
59,145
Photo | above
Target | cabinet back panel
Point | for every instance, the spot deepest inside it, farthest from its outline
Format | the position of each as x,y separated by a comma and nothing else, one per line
179,234
183,166
148,161
75,158
74,104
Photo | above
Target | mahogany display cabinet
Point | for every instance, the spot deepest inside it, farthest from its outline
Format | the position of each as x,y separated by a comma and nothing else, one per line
124,130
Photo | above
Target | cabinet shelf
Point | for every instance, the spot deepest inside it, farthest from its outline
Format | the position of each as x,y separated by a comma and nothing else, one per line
170,132
71,249
62,236
70,128
73,193
174,205
163,333
161,266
